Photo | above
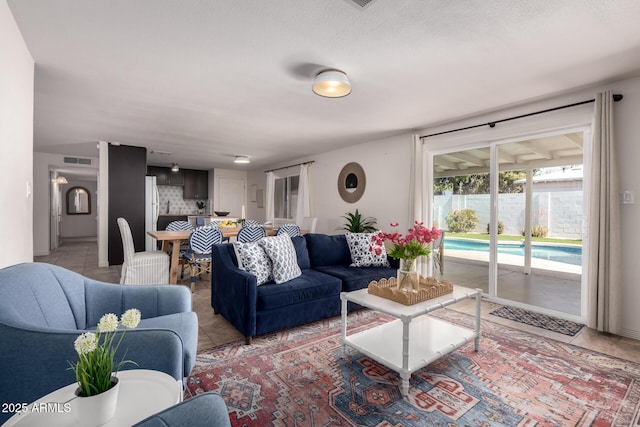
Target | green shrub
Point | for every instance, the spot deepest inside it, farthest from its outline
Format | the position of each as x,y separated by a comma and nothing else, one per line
538,231
500,227
462,221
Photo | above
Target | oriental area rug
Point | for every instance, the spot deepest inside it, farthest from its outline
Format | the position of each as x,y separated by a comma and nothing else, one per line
301,377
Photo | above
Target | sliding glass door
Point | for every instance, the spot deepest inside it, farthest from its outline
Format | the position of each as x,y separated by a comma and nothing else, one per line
461,207
513,215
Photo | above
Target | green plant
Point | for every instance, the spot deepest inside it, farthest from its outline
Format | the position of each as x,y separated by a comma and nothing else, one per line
462,221
201,204
538,231
356,223
500,227
96,352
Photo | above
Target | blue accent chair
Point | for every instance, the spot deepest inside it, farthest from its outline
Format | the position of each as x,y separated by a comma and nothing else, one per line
204,410
44,308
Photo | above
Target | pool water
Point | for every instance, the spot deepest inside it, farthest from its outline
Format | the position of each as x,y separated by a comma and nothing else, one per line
566,254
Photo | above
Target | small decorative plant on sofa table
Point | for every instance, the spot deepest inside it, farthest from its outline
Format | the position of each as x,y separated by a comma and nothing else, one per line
95,367
407,248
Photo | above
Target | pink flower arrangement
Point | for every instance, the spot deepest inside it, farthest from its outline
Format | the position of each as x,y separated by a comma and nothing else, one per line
409,246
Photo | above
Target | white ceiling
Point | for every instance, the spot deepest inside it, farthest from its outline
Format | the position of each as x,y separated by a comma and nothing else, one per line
208,80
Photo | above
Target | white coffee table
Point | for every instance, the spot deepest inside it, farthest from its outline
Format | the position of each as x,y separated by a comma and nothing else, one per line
142,393
413,340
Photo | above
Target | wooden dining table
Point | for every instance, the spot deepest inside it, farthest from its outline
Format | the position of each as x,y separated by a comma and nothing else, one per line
174,238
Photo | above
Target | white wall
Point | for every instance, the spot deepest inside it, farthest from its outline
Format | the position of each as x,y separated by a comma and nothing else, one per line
386,197
16,142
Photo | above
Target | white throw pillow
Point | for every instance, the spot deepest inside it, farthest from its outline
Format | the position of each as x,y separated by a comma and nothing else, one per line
253,259
361,254
283,257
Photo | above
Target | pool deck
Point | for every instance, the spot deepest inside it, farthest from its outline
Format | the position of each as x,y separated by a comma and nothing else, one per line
563,270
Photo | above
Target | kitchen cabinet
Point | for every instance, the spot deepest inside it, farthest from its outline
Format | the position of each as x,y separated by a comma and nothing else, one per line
165,176
196,184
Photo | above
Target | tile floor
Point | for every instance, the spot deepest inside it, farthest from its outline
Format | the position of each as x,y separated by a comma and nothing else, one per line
81,255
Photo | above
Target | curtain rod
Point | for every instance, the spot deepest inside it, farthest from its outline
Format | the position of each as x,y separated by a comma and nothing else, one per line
616,98
290,166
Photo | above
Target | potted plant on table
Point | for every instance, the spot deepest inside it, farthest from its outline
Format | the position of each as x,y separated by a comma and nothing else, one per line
407,248
96,371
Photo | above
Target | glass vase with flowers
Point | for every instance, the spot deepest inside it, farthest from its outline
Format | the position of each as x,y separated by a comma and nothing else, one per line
407,248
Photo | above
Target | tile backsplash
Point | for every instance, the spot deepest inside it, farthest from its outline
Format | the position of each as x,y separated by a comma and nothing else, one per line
177,205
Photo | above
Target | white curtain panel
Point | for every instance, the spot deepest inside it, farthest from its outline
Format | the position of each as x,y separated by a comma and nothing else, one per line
417,208
605,277
270,197
304,187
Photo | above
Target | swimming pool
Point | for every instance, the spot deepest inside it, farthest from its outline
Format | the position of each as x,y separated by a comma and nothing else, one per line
566,254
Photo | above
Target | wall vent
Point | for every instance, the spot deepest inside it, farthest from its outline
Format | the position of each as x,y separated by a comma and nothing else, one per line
362,3
77,160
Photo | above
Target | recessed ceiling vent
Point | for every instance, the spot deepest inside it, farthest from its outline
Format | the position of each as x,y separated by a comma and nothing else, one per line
361,3
77,160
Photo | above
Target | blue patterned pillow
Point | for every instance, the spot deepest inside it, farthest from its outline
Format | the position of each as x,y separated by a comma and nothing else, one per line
252,259
361,253
282,253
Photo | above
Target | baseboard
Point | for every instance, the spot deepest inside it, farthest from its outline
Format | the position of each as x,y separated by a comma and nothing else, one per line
41,253
630,333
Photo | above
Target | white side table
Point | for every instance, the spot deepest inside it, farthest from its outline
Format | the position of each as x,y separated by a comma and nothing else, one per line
142,393
415,339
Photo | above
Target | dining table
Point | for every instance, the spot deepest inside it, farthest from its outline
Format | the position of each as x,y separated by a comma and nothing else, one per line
175,238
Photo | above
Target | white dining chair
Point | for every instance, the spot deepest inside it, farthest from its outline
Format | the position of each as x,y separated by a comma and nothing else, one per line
309,224
141,268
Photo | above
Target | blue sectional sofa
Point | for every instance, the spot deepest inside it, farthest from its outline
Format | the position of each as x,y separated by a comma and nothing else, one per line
256,310
43,309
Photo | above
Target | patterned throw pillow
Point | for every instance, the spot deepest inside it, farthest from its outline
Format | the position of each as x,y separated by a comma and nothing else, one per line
283,257
253,259
361,254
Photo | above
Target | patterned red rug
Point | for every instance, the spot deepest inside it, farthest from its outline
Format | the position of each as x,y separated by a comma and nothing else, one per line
297,378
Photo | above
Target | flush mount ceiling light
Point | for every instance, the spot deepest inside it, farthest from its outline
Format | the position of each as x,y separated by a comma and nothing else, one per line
61,180
242,160
332,84
175,167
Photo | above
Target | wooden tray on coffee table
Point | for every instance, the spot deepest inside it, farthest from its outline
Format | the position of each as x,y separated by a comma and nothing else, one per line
430,288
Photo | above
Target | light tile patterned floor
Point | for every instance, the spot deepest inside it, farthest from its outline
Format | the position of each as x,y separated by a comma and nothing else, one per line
81,255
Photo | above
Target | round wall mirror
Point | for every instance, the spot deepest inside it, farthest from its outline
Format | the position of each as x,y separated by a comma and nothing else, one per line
351,182
78,201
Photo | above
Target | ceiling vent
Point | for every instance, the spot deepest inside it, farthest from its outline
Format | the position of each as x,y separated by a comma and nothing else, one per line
77,160
361,3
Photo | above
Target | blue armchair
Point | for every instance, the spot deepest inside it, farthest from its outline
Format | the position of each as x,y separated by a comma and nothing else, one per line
43,309
204,410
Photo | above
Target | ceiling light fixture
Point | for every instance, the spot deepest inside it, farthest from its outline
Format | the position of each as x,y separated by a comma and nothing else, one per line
61,180
243,160
175,167
332,84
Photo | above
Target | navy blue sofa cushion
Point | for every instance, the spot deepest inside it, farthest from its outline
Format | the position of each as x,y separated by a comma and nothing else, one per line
312,285
356,278
300,245
327,250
